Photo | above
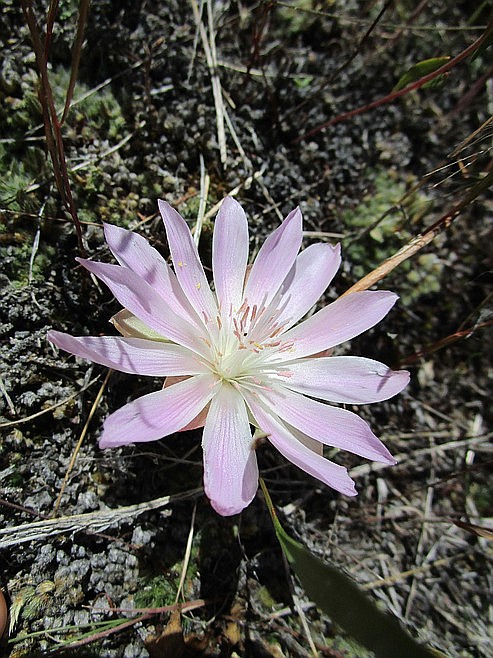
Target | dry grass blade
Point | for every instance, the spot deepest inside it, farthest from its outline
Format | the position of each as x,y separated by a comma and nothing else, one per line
76,53
416,571
54,140
364,469
92,521
8,399
422,240
81,439
210,55
26,419
478,530
188,552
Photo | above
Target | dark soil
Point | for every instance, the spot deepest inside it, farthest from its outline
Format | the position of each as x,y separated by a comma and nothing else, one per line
139,135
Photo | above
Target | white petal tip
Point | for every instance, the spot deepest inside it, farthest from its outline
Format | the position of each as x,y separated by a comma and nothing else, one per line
164,206
231,202
227,510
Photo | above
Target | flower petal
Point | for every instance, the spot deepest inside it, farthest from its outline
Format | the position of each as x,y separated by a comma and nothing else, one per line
350,379
274,261
342,320
158,414
142,300
186,261
314,464
230,464
329,425
134,252
230,254
314,269
133,355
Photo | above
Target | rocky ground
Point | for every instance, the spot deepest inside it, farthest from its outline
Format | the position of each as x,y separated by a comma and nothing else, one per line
143,126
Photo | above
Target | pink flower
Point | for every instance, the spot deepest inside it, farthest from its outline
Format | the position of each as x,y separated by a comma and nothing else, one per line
234,356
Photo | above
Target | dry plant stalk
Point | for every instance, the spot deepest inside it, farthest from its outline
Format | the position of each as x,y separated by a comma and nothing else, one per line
421,240
52,124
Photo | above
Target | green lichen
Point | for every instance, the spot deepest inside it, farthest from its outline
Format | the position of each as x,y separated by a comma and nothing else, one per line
160,590
17,175
16,259
95,115
298,18
92,111
383,222
156,592
483,497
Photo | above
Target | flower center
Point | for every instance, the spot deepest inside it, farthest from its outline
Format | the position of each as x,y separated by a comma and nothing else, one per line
245,344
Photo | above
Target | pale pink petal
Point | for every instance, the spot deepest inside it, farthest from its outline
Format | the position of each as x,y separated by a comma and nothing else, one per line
312,272
158,414
314,464
133,355
230,464
274,261
350,379
199,420
329,425
134,252
137,296
186,261
342,320
230,254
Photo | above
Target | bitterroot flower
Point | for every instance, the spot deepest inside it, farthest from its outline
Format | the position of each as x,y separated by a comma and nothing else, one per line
234,357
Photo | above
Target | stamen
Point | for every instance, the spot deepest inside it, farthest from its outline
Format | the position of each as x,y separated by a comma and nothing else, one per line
242,307
287,347
277,331
236,332
244,318
284,373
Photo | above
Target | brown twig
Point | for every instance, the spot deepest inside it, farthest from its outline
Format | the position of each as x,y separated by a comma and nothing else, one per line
183,607
76,53
402,92
52,125
422,240
443,342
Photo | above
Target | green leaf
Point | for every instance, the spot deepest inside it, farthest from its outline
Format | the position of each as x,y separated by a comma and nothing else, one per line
419,70
345,603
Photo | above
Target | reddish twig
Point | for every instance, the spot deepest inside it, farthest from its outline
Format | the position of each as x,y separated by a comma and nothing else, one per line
402,92
443,342
183,607
52,125
76,53
420,241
